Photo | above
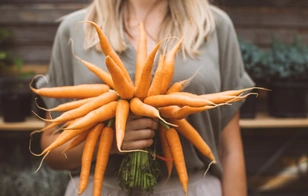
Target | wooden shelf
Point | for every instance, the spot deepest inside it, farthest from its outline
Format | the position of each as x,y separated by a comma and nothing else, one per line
261,121
30,124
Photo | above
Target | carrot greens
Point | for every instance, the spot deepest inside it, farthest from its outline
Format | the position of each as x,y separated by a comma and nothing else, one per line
139,170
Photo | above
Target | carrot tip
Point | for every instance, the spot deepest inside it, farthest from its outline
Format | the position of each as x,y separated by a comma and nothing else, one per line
41,163
32,80
258,88
35,154
208,167
41,118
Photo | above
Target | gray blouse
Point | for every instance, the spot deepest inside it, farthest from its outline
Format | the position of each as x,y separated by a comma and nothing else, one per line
221,68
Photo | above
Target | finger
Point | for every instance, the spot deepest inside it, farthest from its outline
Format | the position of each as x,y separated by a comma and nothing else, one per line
142,123
139,144
133,116
142,134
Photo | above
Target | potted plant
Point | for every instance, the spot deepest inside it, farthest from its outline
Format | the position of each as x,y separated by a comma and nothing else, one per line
15,95
288,72
254,60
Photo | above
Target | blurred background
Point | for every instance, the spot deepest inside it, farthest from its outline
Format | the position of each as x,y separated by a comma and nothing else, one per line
273,37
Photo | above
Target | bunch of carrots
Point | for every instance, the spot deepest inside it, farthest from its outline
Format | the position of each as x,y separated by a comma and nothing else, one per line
99,115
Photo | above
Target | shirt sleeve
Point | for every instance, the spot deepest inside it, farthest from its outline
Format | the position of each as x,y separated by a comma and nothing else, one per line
60,72
232,71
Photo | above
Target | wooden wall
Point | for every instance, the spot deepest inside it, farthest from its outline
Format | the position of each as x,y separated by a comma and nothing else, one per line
258,20
34,23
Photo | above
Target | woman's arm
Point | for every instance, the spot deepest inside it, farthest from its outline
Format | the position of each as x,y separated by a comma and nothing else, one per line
232,157
138,135
56,159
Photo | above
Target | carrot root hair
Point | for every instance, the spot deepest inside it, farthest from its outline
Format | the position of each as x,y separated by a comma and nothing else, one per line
240,97
43,129
74,184
208,167
43,119
41,163
40,107
32,81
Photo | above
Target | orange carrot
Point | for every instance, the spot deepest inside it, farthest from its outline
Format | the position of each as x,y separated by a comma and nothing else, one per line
176,99
67,106
234,92
108,50
146,74
185,111
99,72
77,140
103,152
178,157
142,109
192,135
49,126
87,107
219,98
125,89
72,92
169,67
158,76
177,112
188,94
103,113
122,112
177,87
168,111
192,95
180,85
87,156
166,149
63,137
141,54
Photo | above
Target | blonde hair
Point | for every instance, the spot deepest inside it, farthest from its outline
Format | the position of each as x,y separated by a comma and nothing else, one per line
192,19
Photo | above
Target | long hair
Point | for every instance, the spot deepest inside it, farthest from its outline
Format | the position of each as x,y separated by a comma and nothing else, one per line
191,19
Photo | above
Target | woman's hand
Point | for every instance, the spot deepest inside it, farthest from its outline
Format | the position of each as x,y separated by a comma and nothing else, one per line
139,133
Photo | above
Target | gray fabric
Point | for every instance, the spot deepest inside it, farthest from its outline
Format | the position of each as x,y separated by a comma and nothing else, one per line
198,186
221,68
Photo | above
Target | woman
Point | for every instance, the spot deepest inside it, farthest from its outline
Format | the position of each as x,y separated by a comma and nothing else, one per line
210,45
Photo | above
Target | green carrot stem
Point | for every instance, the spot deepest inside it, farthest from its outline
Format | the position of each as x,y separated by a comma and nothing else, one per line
138,170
